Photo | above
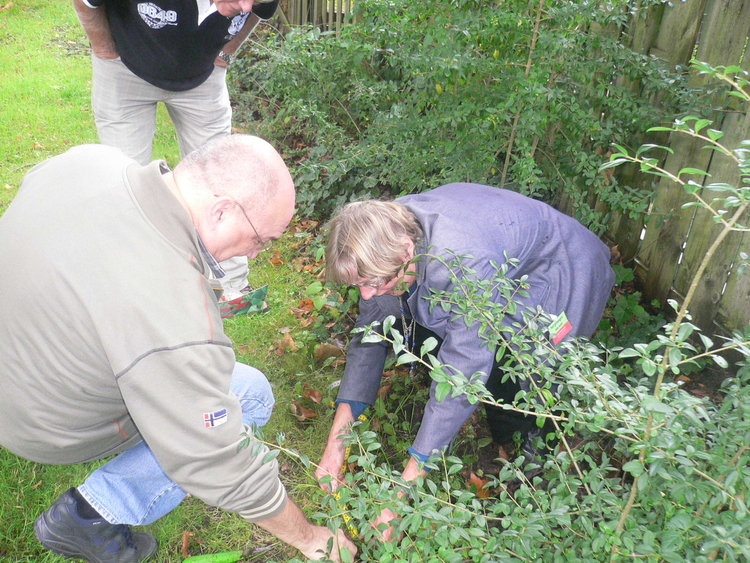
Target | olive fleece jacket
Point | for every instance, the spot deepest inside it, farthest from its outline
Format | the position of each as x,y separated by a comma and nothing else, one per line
110,332
566,265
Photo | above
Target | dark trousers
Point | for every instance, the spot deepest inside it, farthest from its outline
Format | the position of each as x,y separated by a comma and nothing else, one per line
503,423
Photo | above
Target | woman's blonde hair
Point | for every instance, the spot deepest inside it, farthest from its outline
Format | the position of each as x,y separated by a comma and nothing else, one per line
366,240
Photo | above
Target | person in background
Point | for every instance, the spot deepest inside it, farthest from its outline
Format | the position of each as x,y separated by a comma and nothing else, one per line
175,52
381,247
127,352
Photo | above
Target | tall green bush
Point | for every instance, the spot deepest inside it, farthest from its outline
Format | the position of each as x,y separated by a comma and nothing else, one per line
420,93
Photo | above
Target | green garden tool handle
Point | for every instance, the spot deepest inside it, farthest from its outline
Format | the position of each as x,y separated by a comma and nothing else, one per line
225,557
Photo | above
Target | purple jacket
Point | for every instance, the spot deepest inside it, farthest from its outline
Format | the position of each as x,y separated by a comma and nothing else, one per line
566,265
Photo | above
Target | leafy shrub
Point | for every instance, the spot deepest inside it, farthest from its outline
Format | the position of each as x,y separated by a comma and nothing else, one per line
643,470
417,94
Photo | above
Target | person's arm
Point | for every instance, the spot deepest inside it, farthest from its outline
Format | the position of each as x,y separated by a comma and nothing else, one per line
96,26
233,46
333,456
291,526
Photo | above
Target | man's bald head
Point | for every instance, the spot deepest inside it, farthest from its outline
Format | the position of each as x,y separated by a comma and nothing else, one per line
244,167
238,192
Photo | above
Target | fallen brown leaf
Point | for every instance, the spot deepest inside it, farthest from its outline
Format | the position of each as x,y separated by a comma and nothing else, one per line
301,413
276,259
502,453
476,485
326,350
186,543
311,393
384,390
286,344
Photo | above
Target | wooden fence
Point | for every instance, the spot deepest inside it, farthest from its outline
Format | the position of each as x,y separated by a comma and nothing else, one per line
666,245
327,15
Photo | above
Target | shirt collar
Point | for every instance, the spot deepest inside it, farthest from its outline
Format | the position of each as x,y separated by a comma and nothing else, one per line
205,9
216,268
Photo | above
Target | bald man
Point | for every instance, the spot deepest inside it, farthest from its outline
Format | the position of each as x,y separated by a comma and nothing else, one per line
127,353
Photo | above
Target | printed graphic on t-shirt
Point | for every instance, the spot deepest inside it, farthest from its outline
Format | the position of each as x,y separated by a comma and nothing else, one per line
155,17
237,22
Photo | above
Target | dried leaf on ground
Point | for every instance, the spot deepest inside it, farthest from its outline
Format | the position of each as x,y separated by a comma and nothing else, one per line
311,393
476,485
326,350
384,390
305,306
276,259
502,453
186,543
286,344
305,225
301,413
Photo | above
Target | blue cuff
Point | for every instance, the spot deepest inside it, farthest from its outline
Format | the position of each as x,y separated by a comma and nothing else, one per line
419,456
358,407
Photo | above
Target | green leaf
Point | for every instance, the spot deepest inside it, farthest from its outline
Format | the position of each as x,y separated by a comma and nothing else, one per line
695,171
613,163
314,288
634,467
271,455
720,361
652,404
405,358
441,390
319,301
649,367
628,353
428,346
701,124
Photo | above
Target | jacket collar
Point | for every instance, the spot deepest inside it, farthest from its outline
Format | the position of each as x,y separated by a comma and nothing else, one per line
164,210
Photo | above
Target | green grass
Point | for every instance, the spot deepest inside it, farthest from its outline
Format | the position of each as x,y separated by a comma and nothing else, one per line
45,89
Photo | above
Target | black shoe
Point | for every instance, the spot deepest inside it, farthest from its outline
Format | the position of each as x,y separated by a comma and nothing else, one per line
535,450
61,530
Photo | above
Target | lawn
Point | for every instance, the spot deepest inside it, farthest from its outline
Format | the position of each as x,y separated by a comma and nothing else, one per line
45,90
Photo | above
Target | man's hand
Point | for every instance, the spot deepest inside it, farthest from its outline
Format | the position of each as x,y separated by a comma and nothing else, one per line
335,452
331,465
385,517
320,551
291,526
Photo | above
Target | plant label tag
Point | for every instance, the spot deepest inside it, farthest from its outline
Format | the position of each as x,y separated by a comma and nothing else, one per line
560,328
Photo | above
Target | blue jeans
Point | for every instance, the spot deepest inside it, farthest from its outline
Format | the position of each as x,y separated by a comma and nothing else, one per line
132,488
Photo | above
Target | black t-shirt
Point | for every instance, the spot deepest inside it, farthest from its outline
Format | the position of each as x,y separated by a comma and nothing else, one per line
163,42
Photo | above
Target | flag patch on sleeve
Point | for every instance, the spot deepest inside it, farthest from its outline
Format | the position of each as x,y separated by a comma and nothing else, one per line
217,418
560,328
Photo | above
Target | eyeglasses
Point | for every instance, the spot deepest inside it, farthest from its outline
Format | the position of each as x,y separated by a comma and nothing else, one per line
377,284
264,245
372,284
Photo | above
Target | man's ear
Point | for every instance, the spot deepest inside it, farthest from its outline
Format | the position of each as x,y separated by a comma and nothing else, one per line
219,210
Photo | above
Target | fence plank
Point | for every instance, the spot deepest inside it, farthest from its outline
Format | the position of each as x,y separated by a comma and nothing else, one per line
678,32
704,231
669,224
